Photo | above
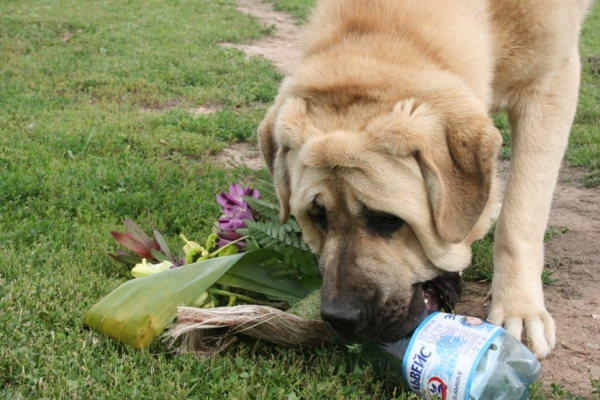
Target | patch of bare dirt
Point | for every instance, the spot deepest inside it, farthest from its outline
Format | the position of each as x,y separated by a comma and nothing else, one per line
172,104
574,257
205,109
282,47
168,105
241,154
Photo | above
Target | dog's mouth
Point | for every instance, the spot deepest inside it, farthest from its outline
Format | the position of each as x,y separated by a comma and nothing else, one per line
441,293
386,325
431,297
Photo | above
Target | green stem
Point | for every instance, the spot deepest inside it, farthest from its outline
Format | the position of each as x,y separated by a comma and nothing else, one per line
231,302
247,298
216,252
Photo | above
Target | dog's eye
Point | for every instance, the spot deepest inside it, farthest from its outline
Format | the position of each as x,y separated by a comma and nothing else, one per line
384,224
319,216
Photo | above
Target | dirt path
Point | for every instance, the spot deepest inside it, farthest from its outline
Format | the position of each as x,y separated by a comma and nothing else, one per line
574,257
282,46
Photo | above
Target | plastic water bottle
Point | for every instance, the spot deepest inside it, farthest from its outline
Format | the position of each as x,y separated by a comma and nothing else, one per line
453,357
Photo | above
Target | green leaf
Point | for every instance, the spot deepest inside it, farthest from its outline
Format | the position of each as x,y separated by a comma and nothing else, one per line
140,309
311,283
163,246
158,255
257,278
267,210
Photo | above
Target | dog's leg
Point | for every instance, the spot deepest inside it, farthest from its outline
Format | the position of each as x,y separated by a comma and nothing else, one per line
541,118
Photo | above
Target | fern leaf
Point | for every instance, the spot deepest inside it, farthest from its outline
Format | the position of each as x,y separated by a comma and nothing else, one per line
266,209
267,189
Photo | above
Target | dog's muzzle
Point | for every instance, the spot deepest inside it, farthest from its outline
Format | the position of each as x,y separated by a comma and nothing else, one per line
349,317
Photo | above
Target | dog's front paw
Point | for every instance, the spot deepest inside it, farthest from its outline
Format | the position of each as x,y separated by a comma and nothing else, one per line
526,319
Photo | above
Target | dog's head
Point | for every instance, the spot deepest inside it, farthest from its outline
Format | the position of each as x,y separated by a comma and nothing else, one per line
390,197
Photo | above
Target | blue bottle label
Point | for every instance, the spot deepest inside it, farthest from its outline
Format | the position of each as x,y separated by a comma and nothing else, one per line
443,353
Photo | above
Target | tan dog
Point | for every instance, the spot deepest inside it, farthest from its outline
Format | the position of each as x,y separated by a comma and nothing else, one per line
381,145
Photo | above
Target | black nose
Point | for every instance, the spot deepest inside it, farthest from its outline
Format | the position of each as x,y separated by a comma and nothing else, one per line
342,317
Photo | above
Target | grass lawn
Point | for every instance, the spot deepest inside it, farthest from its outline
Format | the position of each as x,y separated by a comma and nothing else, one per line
95,127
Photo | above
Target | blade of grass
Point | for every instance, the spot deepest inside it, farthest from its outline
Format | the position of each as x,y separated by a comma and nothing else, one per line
89,139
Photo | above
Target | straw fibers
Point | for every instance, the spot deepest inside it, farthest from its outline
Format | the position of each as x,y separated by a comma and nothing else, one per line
207,331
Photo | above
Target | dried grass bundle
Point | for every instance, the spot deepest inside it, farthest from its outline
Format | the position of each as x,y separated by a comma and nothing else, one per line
207,331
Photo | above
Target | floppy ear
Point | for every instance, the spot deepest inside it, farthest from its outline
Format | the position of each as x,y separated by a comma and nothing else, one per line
275,157
284,128
266,137
459,174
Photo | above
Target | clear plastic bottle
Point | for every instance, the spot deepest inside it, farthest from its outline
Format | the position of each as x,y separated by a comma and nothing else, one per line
463,358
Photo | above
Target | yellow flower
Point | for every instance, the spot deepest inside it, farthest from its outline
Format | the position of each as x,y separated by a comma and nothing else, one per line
191,245
144,268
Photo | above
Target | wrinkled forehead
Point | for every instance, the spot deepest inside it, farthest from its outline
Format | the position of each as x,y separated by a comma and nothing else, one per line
377,182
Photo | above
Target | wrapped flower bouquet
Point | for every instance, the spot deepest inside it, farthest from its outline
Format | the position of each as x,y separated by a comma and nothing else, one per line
253,275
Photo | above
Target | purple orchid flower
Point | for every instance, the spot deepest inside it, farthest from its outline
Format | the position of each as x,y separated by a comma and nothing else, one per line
227,233
231,224
226,237
234,205
236,211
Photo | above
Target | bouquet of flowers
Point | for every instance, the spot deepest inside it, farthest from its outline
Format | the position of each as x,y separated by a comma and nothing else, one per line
253,275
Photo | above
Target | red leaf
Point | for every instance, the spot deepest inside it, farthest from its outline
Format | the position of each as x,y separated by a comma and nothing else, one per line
138,233
132,244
